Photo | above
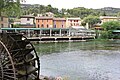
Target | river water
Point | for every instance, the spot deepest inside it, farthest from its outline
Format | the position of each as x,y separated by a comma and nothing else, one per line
93,60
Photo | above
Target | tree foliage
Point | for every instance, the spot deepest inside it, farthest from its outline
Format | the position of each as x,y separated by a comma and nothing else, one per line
38,9
91,20
9,7
108,29
75,12
111,25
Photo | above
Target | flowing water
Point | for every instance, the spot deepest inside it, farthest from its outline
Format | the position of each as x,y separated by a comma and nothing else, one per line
93,60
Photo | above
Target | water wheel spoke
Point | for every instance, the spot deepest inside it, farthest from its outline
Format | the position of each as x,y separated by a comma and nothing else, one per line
25,62
20,52
5,62
2,50
8,73
8,65
9,77
22,43
10,47
8,70
15,52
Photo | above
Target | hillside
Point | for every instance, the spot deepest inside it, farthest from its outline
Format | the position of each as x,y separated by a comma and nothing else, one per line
109,10
75,12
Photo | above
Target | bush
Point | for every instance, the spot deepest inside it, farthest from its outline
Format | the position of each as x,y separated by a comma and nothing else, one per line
104,35
16,26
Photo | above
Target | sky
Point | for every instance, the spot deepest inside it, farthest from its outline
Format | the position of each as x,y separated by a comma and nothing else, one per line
68,4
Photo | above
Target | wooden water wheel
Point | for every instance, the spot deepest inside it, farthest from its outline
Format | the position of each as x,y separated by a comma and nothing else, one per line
18,58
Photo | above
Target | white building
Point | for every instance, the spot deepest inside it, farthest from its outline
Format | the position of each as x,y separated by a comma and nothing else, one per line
47,14
73,22
27,21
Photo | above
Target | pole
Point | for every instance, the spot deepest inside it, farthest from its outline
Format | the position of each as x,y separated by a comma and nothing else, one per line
60,32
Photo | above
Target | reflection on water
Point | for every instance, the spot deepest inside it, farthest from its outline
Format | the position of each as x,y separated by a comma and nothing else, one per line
94,60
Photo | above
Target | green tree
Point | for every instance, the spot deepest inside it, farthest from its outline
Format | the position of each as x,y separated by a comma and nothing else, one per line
103,13
108,29
9,7
49,8
80,12
118,14
91,20
111,25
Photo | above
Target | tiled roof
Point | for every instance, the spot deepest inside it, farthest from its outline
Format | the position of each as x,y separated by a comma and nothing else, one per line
27,16
44,17
77,18
59,19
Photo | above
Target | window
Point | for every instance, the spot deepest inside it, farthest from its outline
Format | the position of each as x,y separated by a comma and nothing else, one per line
28,19
54,26
2,25
38,25
62,26
47,25
42,26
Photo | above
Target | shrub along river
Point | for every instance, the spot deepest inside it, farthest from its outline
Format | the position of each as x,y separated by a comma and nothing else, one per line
93,60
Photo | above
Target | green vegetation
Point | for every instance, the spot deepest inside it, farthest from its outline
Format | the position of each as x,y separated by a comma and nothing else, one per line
91,20
111,25
10,7
75,12
16,26
108,29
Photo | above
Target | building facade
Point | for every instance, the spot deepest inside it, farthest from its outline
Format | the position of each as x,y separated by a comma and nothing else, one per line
59,23
27,21
73,22
108,18
44,22
4,22
50,22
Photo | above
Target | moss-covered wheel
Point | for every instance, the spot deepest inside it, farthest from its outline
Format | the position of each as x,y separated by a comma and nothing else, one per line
18,58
